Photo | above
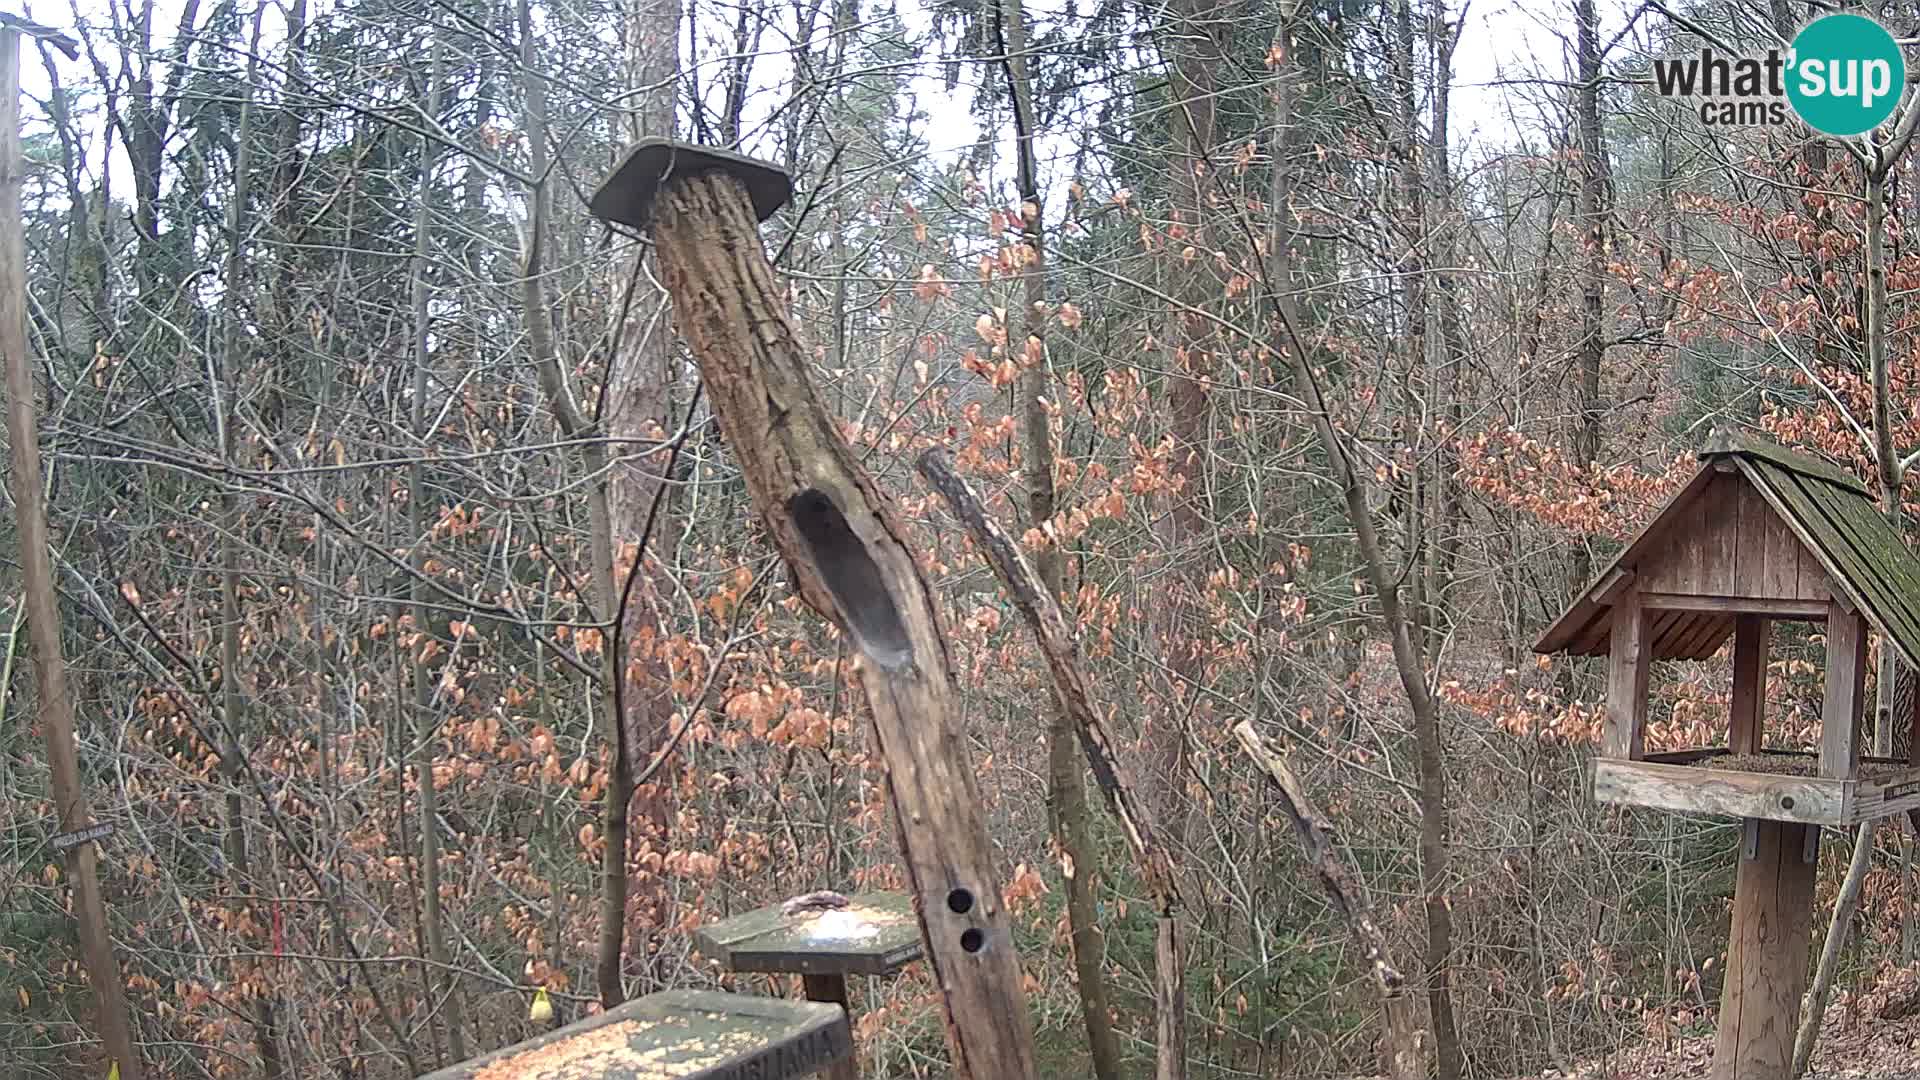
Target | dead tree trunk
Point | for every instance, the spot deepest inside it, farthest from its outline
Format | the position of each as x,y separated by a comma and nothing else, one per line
844,545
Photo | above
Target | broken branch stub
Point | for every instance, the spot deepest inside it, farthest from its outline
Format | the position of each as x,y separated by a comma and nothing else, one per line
842,542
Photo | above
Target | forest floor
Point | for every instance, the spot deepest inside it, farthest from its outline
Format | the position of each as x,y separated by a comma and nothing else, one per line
1870,1038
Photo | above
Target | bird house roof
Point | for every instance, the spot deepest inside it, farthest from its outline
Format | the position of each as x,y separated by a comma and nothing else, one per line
1759,529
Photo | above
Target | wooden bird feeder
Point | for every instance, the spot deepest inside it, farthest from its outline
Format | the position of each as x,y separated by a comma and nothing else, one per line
874,934
678,1035
843,543
1760,534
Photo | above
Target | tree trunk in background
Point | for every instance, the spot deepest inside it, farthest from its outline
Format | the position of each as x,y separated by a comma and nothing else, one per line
1591,348
535,309
1408,659
232,698
1410,490
1888,474
1194,60
426,725
1442,234
39,593
639,405
1066,779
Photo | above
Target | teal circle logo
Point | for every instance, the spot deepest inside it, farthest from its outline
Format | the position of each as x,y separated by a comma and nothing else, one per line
1847,74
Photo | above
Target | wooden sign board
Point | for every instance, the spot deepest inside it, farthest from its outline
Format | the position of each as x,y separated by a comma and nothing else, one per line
74,839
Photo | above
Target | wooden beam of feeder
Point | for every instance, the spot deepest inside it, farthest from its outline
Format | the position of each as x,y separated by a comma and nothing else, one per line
1075,695
843,543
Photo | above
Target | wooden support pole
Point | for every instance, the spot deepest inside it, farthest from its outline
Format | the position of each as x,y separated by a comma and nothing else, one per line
1766,955
1846,687
55,705
831,987
1747,729
844,546
1628,660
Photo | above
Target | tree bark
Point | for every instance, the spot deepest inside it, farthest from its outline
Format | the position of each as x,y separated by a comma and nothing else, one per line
843,543
639,406
40,594
232,698
1591,349
1408,662
535,308
425,723
1183,528
1408,656
1066,784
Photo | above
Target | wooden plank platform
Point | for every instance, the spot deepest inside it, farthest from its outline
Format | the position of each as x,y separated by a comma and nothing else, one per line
678,1035
1686,781
875,934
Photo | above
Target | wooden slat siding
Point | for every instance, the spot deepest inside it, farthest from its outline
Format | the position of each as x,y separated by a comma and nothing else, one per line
1824,539
1627,663
1678,569
1663,629
1592,638
1709,632
1812,577
1720,539
1750,536
1766,958
1702,632
1747,729
1697,789
1846,682
1651,539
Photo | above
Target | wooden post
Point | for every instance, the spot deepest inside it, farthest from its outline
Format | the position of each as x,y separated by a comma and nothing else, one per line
1747,730
37,584
1627,663
843,544
1766,955
1846,685
832,989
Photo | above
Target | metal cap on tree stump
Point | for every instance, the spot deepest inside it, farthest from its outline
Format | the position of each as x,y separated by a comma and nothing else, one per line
627,196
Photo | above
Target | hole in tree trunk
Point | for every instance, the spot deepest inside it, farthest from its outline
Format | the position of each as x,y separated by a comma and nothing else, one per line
853,578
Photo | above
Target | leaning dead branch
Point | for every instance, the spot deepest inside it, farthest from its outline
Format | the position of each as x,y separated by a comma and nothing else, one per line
1349,899
1073,691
